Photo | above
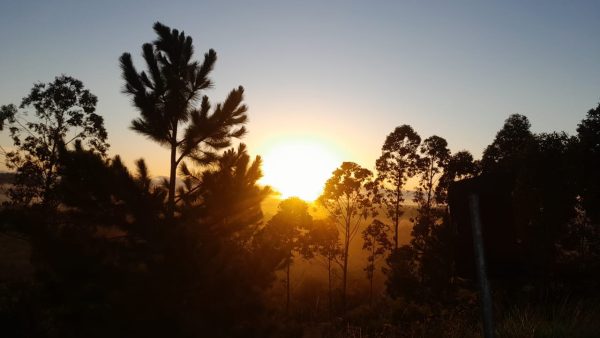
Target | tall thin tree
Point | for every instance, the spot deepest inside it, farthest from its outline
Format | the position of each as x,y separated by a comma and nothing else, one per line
376,243
348,197
323,242
398,162
434,156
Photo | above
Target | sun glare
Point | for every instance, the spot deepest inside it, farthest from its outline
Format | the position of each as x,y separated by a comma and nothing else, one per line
299,167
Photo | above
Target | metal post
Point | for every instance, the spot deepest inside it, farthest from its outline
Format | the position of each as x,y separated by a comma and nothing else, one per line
484,287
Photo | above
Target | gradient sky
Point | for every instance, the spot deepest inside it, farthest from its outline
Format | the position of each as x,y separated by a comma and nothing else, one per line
344,71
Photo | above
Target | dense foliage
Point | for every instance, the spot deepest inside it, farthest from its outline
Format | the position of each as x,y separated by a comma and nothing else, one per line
63,115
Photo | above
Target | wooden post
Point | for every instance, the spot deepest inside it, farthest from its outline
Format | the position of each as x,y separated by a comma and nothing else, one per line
484,287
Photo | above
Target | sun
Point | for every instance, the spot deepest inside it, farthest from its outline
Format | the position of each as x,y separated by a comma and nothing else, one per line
299,167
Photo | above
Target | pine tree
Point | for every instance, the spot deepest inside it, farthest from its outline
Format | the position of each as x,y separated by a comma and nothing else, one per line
167,97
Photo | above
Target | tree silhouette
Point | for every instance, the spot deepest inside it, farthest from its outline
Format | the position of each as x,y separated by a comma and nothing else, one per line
376,243
323,240
434,156
544,193
584,229
588,133
402,271
347,197
398,162
507,151
92,250
460,165
227,199
63,115
423,268
167,95
216,270
436,258
102,192
285,231
200,275
540,171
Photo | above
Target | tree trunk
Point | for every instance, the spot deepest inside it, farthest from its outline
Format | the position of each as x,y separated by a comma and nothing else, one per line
49,177
345,272
397,213
372,275
371,289
287,302
329,285
172,183
396,221
46,199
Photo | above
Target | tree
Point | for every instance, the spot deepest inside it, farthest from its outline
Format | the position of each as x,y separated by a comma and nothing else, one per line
507,151
460,165
323,240
588,134
545,195
63,115
92,252
226,200
141,276
377,243
434,156
285,231
213,274
102,192
401,273
347,197
584,231
167,95
398,162
437,244
539,169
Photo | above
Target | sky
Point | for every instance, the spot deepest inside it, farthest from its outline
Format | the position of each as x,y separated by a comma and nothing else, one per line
344,72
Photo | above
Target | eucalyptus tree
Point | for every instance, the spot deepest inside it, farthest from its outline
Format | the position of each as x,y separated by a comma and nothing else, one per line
460,165
434,157
376,243
323,243
508,151
398,162
285,232
54,116
173,112
348,196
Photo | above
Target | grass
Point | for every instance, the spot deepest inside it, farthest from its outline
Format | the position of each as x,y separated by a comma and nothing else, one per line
387,319
579,319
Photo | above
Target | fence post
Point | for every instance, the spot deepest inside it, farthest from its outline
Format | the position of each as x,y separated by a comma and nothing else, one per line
484,286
